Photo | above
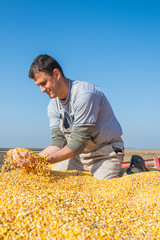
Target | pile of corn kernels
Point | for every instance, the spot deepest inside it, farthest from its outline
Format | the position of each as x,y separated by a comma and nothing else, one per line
75,205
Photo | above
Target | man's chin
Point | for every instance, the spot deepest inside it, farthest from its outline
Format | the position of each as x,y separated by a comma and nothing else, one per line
51,96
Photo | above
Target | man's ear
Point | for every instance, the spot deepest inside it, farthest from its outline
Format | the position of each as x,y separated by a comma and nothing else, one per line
56,73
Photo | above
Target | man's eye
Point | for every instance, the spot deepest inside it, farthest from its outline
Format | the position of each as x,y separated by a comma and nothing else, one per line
43,84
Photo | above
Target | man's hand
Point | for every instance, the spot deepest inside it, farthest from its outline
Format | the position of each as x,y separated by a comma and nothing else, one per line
21,158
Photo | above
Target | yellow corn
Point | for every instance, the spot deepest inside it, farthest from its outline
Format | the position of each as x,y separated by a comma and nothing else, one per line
75,205
22,154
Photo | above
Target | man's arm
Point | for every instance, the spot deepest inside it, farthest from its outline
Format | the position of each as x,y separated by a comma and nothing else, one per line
60,155
79,138
57,154
49,150
58,142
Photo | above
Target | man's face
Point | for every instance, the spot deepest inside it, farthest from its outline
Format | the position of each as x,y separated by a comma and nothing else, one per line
47,83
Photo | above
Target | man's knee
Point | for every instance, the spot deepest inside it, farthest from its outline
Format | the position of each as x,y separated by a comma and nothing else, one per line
107,169
61,165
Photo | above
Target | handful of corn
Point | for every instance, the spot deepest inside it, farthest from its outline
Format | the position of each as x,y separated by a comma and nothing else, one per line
26,159
75,205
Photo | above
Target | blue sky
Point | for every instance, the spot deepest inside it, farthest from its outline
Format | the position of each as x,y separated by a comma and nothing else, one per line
113,44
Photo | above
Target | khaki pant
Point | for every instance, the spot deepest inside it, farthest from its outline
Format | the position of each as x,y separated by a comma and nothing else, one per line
102,169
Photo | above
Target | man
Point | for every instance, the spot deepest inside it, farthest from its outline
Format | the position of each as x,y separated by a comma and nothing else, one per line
85,132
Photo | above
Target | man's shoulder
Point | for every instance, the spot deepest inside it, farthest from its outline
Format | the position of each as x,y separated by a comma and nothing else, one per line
82,88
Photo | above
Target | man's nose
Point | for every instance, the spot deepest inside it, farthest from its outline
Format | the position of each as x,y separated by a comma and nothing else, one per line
43,89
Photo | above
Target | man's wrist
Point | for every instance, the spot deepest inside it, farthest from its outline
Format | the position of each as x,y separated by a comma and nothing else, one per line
50,159
62,154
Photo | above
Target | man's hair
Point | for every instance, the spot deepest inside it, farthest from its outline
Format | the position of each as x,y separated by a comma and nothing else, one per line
44,63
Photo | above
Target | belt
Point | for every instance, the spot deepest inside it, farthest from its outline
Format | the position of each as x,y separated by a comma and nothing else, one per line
118,149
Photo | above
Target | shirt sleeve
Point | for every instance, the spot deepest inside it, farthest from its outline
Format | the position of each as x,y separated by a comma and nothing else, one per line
86,109
58,138
79,138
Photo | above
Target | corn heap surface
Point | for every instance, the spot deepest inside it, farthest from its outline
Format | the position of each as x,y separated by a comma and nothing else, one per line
75,205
